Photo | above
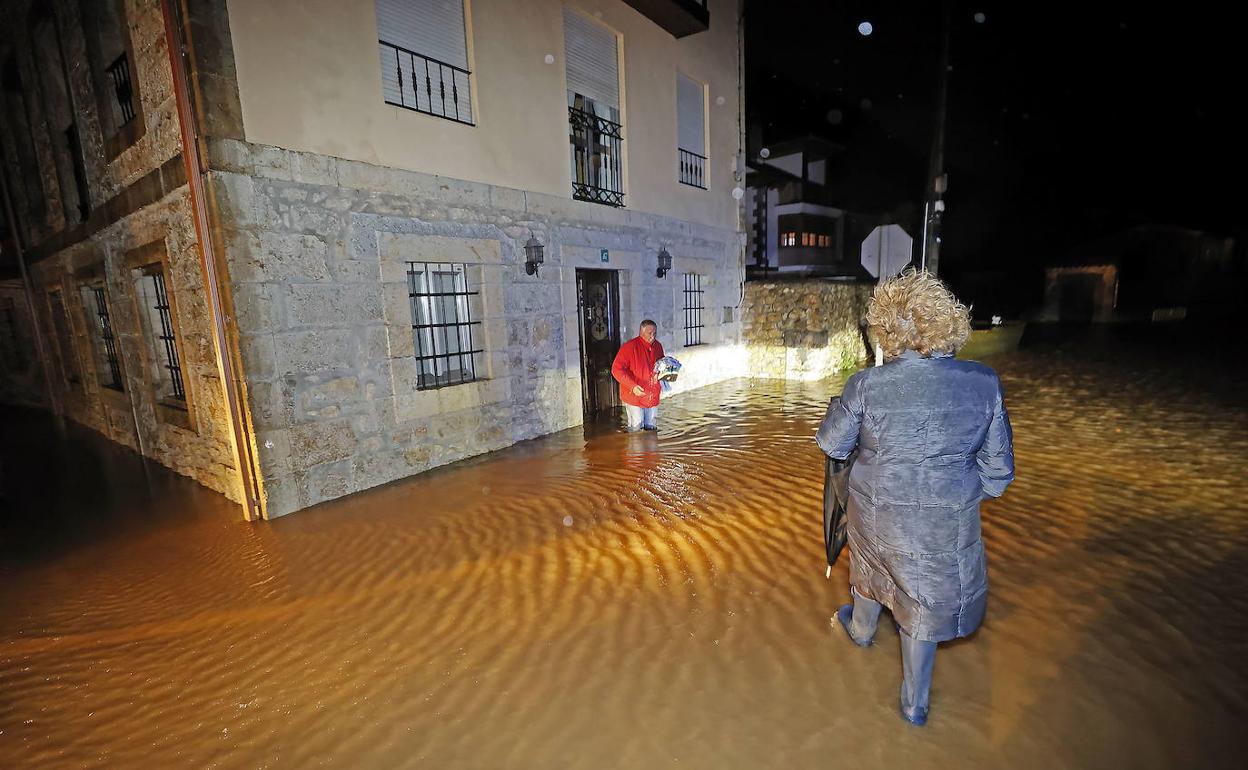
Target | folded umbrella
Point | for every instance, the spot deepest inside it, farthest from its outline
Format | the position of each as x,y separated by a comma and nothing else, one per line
835,502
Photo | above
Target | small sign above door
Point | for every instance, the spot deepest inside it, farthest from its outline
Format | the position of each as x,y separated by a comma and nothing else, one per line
604,255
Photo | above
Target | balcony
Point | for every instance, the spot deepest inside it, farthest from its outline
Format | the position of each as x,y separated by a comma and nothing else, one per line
597,158
424,84
680,18
691,168
797,191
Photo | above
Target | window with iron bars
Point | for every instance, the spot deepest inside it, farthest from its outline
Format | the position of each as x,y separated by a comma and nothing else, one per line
423,50
597,146
165,339
690,131
442,324
425,84
123,89
693,309
107,342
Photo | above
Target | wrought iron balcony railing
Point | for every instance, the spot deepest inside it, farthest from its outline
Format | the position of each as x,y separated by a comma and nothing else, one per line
424,84
692,168
597,146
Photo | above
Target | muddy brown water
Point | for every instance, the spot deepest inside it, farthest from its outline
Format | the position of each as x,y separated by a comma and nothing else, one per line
599,600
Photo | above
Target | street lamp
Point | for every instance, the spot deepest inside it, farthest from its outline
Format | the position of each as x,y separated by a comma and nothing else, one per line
534,254
665,263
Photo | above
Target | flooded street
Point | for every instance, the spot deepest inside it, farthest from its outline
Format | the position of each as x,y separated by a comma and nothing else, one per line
639,601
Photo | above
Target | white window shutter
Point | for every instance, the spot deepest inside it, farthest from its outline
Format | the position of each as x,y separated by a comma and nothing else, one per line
690,115
592,59
432,28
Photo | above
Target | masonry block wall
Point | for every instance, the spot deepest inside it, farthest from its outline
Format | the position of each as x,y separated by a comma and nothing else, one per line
804,330
102,204
318,251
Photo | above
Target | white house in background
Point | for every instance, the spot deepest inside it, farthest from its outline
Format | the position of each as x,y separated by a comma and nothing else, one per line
793,221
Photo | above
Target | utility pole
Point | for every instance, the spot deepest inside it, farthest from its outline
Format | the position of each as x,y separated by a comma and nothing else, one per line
937,180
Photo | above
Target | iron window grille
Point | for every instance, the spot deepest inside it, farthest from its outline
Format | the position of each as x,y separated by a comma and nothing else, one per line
692,168
123,89
105,328
693,309
442,324
166,336
597,158
427,85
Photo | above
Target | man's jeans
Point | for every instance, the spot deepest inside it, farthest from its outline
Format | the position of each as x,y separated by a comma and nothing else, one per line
917,656
641,417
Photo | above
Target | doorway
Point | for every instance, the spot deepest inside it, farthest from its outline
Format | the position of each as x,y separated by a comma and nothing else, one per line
598,305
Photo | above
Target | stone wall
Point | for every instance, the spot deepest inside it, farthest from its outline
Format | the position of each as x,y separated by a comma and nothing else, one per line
139,211
803,330
318,251
108,174
21,382
191,438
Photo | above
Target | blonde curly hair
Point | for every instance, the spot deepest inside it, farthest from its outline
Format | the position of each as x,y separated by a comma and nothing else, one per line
916,311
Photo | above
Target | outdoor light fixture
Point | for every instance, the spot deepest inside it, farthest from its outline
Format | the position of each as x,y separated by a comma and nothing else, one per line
665,263
534,254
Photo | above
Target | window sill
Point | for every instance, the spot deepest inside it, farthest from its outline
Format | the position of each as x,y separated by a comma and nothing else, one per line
126,137
119,398
174,412
421,404
449,385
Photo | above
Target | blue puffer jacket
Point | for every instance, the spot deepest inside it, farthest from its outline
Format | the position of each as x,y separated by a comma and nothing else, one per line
933,440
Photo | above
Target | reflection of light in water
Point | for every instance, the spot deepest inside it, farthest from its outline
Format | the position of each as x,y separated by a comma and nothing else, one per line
425,619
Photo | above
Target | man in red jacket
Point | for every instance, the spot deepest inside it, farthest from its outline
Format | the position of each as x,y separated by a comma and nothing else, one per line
634,370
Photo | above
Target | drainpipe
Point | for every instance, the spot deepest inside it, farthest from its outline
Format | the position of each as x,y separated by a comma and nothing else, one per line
41,349
240,434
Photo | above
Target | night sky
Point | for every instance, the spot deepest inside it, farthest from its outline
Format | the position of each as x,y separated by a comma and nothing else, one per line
1066,122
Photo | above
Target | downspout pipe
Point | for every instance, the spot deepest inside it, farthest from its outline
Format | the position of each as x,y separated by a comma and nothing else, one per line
240,434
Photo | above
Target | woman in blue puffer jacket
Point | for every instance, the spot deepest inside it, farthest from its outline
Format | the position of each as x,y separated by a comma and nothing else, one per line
933,440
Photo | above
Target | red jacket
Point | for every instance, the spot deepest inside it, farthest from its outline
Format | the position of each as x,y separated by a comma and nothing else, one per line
634,365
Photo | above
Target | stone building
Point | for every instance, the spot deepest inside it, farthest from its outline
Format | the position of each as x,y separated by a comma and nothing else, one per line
327,245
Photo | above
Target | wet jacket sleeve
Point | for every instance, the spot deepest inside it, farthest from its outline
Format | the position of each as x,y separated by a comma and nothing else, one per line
619,367
838,433
996,456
